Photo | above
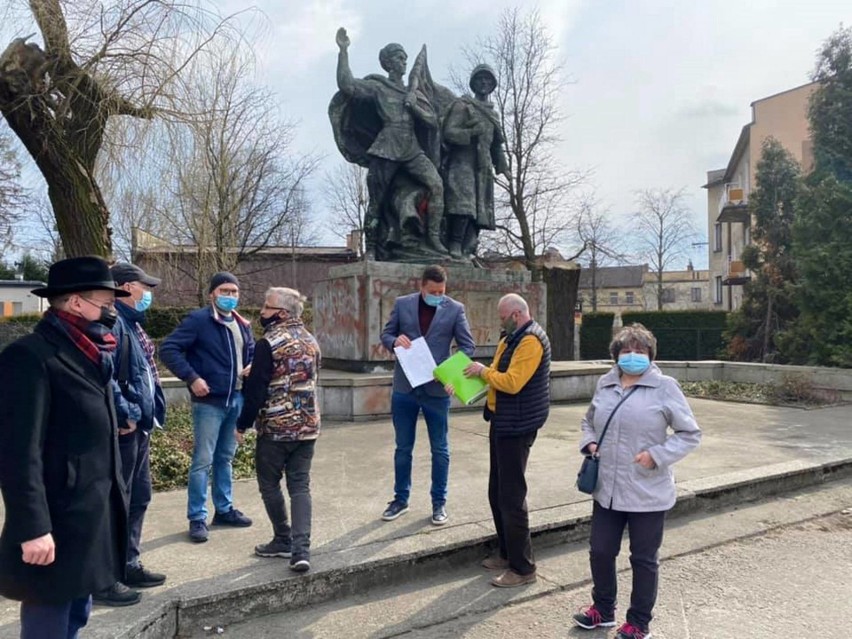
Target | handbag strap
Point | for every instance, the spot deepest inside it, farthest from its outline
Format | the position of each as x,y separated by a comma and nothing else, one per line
612,414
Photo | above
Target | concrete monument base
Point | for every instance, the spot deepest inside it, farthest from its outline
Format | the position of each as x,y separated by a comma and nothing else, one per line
352,306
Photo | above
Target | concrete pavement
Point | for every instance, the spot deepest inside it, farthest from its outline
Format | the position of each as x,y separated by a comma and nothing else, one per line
747,451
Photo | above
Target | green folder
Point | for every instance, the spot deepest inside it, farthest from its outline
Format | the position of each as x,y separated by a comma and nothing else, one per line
451,371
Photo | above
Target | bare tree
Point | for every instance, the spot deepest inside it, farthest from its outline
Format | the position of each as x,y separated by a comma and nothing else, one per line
346,197
533,212
602,243
99,60
229,184
12,194
663,231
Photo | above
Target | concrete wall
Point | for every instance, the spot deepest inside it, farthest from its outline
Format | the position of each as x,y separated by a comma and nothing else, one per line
351,308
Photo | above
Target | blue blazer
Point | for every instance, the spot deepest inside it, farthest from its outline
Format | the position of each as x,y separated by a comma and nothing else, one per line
450,322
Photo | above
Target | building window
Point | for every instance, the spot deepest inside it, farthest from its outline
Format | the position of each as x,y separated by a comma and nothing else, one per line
613,298
717,298
696,294
668,296
629,297
717,238
17,308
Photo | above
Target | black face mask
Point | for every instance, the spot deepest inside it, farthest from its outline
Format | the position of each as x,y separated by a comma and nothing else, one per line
108,317
266,322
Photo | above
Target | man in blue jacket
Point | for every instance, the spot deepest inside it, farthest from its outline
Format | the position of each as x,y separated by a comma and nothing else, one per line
429,313
140,406
211,350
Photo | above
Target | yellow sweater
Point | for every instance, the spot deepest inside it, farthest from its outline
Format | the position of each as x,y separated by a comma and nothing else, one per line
525,361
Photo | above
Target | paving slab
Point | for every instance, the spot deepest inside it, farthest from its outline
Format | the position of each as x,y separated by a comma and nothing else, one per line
352,480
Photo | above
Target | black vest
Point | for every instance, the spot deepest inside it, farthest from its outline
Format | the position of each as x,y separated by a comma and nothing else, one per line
527,410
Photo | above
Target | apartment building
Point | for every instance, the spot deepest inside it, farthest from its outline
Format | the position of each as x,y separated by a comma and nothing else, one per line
784,117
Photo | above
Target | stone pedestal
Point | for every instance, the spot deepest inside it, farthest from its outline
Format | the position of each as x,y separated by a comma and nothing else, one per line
351,308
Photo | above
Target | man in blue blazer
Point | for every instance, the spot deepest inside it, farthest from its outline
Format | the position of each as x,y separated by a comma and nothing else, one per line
432,314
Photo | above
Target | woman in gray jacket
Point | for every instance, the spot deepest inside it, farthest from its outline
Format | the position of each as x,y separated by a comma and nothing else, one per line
652,430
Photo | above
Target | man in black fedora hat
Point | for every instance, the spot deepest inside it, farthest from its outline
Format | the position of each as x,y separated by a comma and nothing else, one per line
65,534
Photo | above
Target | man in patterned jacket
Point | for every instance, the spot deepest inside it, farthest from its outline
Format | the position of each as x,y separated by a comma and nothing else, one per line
281,400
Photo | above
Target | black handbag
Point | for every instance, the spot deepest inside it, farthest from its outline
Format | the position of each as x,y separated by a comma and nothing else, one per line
587,478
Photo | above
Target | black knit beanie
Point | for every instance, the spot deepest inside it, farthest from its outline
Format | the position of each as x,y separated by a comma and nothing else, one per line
221,278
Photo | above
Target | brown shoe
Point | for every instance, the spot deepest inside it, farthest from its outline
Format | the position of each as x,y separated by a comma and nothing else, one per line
495,562
511,579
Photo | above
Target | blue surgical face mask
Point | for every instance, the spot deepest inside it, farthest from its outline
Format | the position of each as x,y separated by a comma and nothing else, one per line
433,300
633,363
226,303
144,303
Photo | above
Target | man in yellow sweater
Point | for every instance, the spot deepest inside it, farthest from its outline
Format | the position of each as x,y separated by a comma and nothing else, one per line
517,406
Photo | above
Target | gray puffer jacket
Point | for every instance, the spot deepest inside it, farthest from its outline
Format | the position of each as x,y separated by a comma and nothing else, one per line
642,423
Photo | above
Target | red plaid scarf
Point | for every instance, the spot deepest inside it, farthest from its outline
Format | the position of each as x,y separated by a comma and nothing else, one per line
94,340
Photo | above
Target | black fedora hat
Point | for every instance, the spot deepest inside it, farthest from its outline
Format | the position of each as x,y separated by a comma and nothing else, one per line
79,274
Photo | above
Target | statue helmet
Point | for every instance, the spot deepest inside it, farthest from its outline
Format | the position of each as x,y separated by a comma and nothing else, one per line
482,68
387,51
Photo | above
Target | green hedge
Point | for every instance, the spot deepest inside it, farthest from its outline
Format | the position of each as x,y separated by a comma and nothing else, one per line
683,335
16,326
162,320
595,335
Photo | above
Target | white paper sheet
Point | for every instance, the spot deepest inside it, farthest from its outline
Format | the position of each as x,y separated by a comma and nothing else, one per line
417,362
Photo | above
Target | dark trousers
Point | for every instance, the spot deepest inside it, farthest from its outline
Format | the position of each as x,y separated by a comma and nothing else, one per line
646,536
54,621
507,494
274,460
136,470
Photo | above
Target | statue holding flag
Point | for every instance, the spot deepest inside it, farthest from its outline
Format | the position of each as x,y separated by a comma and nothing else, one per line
395,131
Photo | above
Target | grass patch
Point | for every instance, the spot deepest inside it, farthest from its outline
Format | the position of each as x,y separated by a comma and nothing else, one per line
171,451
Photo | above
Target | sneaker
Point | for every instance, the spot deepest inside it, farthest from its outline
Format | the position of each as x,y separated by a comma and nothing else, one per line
231,518
439,516
395,509
116,596
511,579
275,548
495,562
198,531
139,577
591,618
300,564
629,631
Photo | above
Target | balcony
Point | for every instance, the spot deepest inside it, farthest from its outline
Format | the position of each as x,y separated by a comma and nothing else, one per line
734,206
736,274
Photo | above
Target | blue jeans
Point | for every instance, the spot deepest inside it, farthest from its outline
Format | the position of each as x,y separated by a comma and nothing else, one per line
215,445
54,621
405,407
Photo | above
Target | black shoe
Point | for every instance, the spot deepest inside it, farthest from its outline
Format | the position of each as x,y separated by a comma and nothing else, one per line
275,548
300,564
116,595
395,509
198,531
591,618
231,518
139,577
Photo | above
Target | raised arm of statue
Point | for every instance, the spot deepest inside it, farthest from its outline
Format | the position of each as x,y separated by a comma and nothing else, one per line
345,81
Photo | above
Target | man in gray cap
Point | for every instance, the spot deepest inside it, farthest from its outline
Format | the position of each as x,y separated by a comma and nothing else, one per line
140,406
211,350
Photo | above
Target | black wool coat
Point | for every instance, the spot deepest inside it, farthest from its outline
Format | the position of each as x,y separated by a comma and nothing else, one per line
60,470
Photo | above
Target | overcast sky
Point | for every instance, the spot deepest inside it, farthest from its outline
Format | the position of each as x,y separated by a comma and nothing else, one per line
658,91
